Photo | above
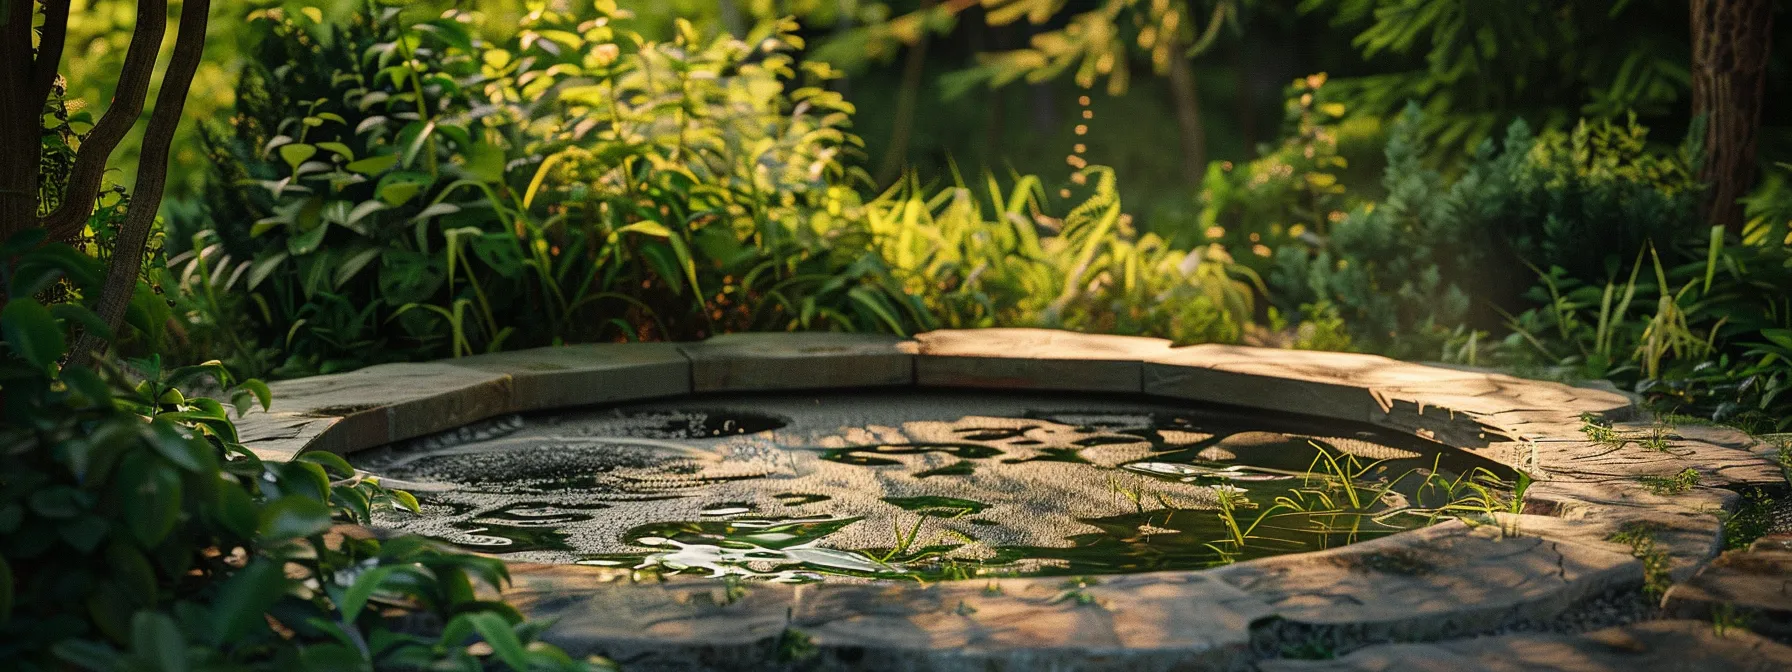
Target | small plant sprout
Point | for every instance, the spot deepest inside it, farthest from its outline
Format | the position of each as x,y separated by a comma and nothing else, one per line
1727,618
1671,485
1640,537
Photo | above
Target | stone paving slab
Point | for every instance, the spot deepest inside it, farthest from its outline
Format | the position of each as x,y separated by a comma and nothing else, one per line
1754,585
1136,623
1033,359
1583,460
392,402
280,436
580,375
1656,646
786,361
1440,581
1686,526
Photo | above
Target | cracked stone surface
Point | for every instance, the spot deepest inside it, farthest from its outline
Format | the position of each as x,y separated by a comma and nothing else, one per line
1754,584
1137,623
581,375
1440,582
1664,646
746,362
1035,359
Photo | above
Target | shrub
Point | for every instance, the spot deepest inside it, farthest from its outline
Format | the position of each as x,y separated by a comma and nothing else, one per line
1437,254
137,533
439,196
1089,270
435,195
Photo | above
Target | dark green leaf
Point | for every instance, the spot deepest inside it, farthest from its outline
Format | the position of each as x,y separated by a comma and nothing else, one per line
84,533
291,517
331,462
244,598
236,510
496,632
150,491
133,573
157,640
32,333
59,501
88,655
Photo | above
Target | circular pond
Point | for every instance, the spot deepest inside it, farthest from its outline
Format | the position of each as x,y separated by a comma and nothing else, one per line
927,484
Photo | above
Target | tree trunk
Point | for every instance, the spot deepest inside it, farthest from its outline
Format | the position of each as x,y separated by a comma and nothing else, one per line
20,127
1730,48
152,177
896,153
1188,118
731,18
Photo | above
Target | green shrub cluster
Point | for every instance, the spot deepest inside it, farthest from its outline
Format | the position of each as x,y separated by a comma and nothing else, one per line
136,532
406,189
1435,253
392,190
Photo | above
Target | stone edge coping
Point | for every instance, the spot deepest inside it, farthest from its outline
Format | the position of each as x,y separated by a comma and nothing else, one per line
1532,425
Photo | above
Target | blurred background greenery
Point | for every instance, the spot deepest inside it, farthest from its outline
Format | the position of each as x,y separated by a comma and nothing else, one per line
960,81
1519,183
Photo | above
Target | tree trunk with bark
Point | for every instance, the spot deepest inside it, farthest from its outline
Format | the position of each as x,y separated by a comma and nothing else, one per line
907,97
26,82
1188,118
1731,42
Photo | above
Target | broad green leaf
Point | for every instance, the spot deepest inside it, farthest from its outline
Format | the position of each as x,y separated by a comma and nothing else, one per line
151,493
338,148
263,267
353,265
331,462
88,655
297,153
132,572
244,598
263,395
399,188
32,332
496,632
83,533
332,657
365,585
79,314
156,639
373,165
292,517
236,510
308,242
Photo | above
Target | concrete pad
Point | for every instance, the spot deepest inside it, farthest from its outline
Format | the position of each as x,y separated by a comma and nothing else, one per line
793,361
580,375
1033,359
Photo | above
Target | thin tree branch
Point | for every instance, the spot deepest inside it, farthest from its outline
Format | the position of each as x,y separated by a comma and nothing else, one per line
19,138
152,176
49,49
65,222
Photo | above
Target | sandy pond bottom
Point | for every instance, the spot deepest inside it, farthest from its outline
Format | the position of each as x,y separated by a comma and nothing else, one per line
924,484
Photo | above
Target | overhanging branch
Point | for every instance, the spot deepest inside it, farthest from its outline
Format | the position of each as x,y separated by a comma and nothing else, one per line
152,174
49,50
65,222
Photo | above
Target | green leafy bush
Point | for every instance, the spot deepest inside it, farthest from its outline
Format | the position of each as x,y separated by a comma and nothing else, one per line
435,195
1436,254
1014,265
137,533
